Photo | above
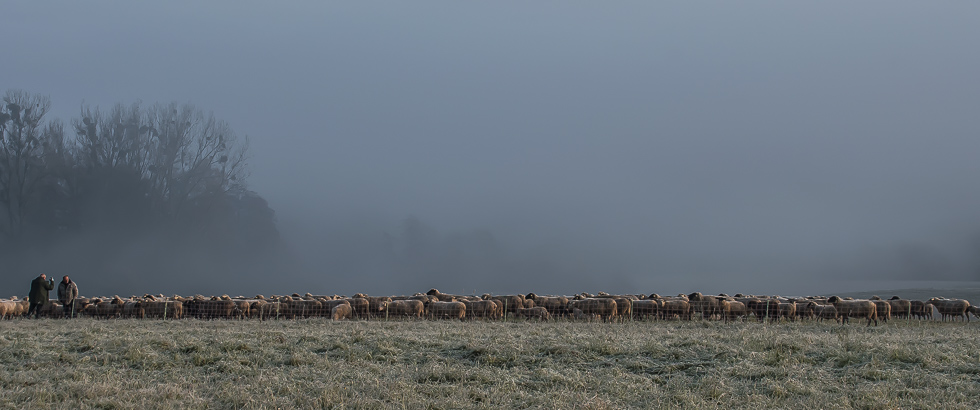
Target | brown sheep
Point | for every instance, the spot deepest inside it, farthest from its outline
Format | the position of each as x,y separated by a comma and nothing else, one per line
402,308
821,312
162,309
884,309
133,309
374,302
763,308
786,310
341,312
328,305
360,307
443,297
605,308
736,310
52,310
555,305
647,308
481,309
445,310
512,303
855,308
265,309
951,308
624,307
920,309
900,307
679,307
707,306
974,310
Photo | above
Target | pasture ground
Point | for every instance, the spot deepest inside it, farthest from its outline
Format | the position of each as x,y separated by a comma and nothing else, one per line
315,363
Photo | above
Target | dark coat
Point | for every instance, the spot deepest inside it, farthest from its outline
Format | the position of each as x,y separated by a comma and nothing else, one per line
39,290
67,292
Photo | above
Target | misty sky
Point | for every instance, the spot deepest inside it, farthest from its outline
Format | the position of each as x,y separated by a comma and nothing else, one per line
630,146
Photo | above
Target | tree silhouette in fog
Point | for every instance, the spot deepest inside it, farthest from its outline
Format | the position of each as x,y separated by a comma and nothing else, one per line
136,190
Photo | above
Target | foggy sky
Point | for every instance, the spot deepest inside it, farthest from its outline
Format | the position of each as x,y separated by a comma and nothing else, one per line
571,146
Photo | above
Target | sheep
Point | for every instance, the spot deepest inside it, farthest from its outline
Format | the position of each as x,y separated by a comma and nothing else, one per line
402,308
678,307
951,308
708,306
736,310
920,309
555,305
360,307
646,308
763,308
446,310
605,308
786,310
341,312
512,303
884,309
900,307
481,309
821,312
855,308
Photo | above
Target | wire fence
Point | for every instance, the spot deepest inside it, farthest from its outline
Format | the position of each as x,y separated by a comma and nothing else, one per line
487,307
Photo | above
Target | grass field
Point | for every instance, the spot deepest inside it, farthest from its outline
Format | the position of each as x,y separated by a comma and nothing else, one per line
88,363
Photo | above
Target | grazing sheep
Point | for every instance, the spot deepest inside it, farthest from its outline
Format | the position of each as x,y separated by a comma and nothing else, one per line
736,310
556,305
821,312
341,312
603,307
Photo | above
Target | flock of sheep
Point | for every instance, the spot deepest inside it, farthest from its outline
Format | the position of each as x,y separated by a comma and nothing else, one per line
436,305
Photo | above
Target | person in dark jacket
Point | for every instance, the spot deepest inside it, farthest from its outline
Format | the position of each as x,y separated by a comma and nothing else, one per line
67,292
39,294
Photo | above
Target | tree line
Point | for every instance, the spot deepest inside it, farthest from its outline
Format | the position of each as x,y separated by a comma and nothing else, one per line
130,190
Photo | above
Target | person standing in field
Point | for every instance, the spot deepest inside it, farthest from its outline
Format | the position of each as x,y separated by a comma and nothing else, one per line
39,294
67,292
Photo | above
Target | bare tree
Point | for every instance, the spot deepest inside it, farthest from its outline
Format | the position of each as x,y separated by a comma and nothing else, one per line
24,136
193,157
